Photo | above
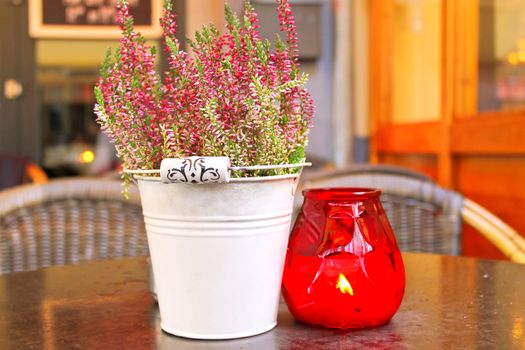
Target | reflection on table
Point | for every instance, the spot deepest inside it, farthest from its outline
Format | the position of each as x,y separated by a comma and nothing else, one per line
450,302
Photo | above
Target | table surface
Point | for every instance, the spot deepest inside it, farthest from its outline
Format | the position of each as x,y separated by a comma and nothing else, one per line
450,302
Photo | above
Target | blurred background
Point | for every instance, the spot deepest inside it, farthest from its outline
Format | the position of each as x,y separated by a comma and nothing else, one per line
436,86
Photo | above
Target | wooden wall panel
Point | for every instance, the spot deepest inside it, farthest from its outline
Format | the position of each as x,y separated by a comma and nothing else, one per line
19,118
426,164
473,244
490,133
498,184
419,138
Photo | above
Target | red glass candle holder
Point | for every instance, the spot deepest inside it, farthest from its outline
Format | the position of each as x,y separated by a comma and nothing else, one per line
343,266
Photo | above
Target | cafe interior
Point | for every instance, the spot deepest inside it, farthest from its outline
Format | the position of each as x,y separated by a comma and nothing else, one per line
420,102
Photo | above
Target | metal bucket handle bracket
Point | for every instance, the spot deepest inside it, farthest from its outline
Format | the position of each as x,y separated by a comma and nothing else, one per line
201,170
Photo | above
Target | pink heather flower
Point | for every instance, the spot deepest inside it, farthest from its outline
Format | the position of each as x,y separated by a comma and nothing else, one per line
233,97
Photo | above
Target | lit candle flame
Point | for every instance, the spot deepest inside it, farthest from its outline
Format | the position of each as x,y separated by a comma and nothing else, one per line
343,285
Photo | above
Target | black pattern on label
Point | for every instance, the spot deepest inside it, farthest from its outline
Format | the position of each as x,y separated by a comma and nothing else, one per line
194,171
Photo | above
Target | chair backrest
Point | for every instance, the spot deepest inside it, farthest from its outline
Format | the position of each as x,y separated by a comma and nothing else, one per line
424,216
68,221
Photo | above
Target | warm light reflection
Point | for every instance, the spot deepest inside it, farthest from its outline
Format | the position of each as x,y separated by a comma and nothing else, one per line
50,308
343,285
513,58
521,44
87,156
517,328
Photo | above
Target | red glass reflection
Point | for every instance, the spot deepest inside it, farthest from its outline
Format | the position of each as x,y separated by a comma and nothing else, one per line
343,267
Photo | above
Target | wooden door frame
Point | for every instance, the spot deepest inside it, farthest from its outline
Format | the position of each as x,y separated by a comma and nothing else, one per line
461,130
459,86
479,154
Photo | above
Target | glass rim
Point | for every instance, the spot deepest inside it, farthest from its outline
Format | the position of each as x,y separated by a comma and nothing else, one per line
341,193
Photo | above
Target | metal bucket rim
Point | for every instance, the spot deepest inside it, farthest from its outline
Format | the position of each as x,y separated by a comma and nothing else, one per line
232,180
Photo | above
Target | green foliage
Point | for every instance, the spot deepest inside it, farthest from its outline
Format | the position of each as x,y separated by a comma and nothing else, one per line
297,156
99,96
106,64
174,48
234,24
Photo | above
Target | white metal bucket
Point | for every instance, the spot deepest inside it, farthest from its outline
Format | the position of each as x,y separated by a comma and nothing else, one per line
217,252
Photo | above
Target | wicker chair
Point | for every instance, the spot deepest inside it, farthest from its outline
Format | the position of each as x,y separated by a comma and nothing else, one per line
424,216
68,221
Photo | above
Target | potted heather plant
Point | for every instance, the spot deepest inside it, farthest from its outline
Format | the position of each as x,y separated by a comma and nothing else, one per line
232,117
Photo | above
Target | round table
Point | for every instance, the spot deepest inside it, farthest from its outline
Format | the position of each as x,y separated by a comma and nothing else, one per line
450,302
